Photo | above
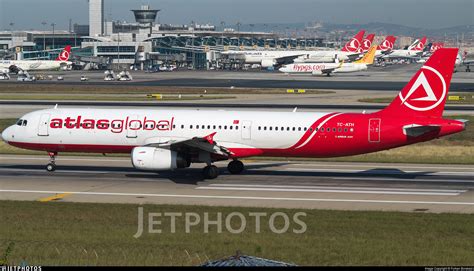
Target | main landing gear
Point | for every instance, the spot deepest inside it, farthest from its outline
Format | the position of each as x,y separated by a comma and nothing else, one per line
52,164
212,172
235,167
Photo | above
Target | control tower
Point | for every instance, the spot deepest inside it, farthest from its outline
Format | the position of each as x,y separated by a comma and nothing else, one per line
145,15
96,17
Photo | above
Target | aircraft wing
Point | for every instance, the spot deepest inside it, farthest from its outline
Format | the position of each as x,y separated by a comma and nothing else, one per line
287,59
206,144
415,130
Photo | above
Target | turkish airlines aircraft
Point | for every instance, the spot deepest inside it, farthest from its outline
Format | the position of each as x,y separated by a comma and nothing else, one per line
414,50
386,46
366,43
39,65
163,139
328,68
270,58
350,51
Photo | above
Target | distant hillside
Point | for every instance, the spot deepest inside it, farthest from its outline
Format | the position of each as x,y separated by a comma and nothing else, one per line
375,27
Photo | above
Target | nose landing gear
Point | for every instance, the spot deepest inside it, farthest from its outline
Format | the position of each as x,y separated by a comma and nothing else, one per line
52,161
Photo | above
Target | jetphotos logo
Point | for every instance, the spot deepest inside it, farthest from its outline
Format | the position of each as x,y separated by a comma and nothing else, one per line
427,92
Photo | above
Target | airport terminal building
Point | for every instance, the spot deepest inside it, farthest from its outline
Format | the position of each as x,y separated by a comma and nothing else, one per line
144,43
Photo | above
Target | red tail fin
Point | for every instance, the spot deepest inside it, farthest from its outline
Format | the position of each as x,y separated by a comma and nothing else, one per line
387,44
425,94
366,43
354,44
420,45
64,55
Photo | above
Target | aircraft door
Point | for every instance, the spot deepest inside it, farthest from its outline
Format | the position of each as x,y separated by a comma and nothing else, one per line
246,128
43,125
374,130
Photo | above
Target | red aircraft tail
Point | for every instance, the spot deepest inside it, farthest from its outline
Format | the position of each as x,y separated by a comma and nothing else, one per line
64,55
425,94
387,44
366,43
354,44
420,45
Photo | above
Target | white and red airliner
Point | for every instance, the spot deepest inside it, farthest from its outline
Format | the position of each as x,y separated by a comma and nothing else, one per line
61,62
161,139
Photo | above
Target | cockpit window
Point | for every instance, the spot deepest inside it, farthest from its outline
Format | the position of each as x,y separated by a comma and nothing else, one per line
22,122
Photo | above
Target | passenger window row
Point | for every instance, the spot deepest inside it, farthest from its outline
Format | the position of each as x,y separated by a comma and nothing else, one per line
322,129
213,127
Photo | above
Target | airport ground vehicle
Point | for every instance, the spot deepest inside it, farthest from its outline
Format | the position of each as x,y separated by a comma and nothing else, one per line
170,139
25,77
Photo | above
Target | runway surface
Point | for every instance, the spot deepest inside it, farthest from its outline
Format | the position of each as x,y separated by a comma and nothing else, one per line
237,104
263,83
390,78
324,185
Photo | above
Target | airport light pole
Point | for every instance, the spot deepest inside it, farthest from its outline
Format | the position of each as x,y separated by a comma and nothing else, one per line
53,25
238,36
118,51
222,36
44,35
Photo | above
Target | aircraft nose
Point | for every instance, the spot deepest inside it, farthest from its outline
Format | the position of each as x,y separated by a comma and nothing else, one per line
6,134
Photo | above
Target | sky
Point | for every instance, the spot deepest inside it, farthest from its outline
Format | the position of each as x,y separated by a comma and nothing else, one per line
28,14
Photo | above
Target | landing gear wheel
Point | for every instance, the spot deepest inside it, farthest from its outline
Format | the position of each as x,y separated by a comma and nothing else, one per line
235,167
51,167
210,172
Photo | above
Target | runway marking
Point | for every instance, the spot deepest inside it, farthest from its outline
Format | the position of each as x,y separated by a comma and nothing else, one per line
65,159
401,180
241,197
78,171
369,165
378,171
55,197
341,187
330,191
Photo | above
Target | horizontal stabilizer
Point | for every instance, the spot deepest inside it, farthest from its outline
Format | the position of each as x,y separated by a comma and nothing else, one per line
415,130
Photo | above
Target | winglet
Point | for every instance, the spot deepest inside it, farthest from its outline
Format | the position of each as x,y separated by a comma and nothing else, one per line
210,138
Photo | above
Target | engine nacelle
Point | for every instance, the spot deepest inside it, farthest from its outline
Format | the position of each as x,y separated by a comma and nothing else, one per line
150,158
266,63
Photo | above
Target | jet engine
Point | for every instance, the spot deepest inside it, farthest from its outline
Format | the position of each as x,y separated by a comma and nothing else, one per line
150,158
14,69
267,63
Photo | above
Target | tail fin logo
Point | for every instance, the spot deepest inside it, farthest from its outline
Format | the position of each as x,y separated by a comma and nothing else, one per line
421,96
353,45
419,46
64,56
367,43
386,45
